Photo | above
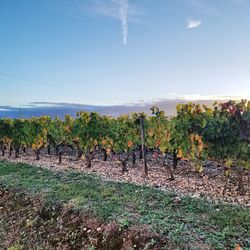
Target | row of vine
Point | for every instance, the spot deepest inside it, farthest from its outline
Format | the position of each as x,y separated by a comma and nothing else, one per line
196,133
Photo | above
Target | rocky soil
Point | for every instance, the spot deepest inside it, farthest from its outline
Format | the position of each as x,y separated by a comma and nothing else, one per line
211,184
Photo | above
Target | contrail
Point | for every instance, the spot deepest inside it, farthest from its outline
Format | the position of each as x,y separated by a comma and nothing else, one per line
124,19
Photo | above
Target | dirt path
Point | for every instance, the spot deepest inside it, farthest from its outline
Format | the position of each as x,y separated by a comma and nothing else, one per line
210,184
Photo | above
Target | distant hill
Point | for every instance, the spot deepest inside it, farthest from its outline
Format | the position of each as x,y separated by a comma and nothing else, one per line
60,109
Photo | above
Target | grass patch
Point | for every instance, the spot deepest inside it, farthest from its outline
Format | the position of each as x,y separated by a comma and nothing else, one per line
193,222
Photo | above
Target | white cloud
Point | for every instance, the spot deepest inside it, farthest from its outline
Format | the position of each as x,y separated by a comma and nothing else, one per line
186,97
124,6
193,23
120,10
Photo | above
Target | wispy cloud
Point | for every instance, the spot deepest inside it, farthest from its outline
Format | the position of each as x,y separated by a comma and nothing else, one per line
106,8
120,10
206,8
193,23
124,6
239,1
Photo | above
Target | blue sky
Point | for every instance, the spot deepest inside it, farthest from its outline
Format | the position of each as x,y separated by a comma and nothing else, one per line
119,51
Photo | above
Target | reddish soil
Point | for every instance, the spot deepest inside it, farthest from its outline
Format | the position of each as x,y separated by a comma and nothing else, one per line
26,221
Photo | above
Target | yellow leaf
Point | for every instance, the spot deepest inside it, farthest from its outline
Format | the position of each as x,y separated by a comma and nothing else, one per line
130,144
150,133
179,153
168,135
67,128
108,150
192,137
229,162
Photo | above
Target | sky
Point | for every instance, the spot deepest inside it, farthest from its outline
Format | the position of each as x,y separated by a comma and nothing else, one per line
106,52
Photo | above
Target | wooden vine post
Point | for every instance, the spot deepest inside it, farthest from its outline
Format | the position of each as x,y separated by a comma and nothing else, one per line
143,145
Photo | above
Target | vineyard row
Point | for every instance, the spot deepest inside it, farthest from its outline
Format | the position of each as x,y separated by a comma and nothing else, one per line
196,133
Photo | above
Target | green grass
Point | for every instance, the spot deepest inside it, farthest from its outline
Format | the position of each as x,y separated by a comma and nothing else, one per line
192,222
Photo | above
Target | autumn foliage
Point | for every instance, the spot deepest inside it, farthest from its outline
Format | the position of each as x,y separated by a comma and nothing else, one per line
195,134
